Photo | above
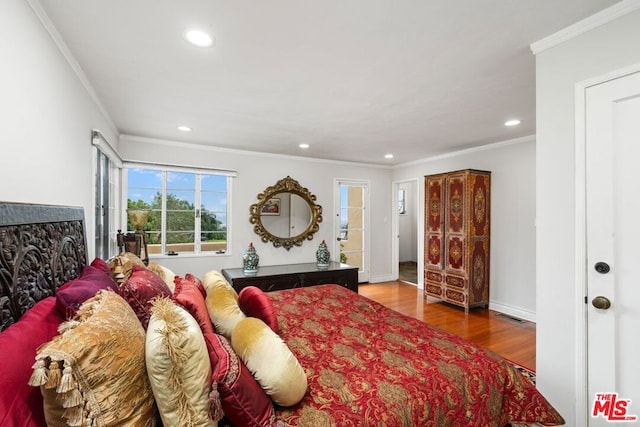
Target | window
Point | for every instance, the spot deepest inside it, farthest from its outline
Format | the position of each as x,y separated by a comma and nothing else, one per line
188,210
402,204
106,169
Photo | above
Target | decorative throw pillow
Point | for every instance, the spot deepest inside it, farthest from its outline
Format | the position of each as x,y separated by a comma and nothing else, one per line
212,279
187,294
243,401
101,265
270,361
121,265
20,404
165,274
72,294
178,366
197,282
255,303
222,303
94,373
140,289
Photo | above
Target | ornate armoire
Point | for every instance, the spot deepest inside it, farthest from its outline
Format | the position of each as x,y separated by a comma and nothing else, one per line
457,229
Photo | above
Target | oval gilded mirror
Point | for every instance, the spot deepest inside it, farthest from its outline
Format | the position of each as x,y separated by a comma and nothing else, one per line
285,214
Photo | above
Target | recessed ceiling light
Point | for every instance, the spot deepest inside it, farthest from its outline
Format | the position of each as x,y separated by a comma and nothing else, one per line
388,156
184,128
303,145
513,122
198,38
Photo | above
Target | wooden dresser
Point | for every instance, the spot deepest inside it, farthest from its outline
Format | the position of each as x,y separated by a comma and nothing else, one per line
457,229
277,277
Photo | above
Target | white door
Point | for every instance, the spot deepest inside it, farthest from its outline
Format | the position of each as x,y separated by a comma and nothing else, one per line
352,226
613,249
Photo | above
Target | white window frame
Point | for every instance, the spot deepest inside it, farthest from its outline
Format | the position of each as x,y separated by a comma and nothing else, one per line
197,198
107,186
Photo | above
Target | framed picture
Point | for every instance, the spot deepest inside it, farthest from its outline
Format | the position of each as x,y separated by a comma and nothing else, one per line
271,207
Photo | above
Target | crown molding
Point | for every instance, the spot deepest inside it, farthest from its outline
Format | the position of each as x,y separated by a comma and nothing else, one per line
124,138
71,60
494,145
603,17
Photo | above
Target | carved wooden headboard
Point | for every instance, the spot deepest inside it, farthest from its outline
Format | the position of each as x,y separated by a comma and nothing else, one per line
41,248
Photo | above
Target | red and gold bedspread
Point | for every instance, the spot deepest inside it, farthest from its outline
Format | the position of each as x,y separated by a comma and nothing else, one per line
368,365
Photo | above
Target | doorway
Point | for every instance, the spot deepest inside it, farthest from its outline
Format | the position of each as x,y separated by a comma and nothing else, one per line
406,229
352,225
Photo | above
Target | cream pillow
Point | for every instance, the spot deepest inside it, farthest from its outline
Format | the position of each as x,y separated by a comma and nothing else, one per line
269,359
165,274
94,372
214,278
178,366
222,303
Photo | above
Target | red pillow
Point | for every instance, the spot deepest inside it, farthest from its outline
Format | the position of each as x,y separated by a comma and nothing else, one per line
255,303
187,294
72,294
101,265
244,402
20,404
140,289
197,282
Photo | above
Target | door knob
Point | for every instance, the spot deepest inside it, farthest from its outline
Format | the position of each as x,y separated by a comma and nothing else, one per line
601,302
602,267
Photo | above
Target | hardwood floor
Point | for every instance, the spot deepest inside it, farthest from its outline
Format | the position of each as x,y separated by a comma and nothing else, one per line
512,339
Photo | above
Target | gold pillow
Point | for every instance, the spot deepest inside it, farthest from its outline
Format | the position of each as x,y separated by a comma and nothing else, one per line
121,265
94,372
165,274
222,303
178,366
270,360
213,279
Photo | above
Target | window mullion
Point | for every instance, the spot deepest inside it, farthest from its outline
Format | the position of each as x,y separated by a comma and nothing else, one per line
163,214
197,214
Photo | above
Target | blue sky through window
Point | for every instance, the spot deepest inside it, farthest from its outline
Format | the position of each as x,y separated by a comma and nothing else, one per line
144,184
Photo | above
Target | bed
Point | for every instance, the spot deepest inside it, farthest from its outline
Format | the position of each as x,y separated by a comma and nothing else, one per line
363,364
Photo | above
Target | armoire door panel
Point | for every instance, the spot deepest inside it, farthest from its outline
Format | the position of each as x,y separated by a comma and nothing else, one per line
435,203
434,250
456,253
480,199
479,272
456,204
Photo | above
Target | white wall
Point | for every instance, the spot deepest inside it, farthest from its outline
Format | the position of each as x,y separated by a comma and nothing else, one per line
256,172
47,117
512,266
609,47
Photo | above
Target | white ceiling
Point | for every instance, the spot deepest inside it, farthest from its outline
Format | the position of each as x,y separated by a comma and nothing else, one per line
355,79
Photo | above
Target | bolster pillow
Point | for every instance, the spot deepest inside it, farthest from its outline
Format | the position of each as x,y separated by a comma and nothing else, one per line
270,361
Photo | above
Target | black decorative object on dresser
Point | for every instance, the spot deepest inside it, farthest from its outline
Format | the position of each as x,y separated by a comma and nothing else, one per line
276,277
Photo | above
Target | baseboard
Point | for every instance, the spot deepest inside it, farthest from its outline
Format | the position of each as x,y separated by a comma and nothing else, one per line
378,279
518,313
